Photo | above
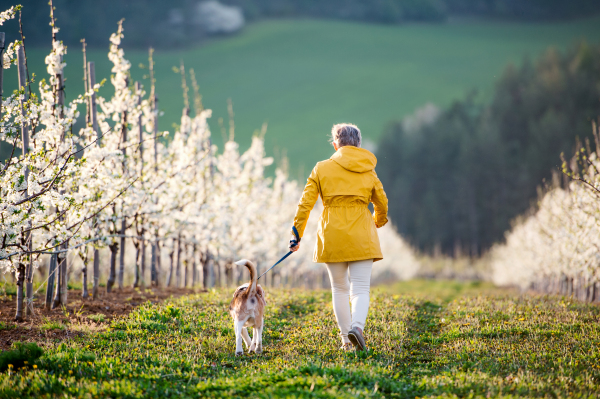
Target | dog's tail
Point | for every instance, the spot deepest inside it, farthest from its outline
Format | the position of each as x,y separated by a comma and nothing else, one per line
253,275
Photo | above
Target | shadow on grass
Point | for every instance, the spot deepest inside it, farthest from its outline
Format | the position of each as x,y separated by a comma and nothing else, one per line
423,334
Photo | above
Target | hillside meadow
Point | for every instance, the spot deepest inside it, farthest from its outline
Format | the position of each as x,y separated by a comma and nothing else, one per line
301,76
434,339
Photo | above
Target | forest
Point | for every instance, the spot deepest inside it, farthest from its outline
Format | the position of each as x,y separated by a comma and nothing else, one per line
175,23
459,176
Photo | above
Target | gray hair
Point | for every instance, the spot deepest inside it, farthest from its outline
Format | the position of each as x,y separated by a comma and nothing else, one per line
346,134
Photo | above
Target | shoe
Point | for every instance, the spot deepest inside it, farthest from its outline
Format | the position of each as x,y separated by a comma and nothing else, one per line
357,339
347,346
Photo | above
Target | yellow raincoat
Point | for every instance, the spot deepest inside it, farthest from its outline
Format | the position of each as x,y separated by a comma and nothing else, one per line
346,182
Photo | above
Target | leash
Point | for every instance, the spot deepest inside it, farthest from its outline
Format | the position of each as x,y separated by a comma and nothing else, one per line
293,243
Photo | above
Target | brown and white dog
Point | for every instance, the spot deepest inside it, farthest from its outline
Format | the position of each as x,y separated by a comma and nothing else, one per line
247,309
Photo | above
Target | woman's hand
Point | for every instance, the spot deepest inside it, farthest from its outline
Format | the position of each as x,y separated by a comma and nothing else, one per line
295,247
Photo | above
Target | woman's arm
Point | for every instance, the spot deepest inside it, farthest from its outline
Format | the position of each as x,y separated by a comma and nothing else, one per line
307,202
380,203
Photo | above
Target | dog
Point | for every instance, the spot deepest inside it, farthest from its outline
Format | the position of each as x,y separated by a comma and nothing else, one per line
248,309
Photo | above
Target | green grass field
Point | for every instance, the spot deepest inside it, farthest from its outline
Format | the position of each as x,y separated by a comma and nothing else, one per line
439,340
301,76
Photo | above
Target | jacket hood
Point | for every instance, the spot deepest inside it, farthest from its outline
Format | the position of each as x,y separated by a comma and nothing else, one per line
355,159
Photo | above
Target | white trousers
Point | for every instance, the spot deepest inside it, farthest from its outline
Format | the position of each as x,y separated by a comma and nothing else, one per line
356,291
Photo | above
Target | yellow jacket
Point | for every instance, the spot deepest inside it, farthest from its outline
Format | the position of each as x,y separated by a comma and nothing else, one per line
346,182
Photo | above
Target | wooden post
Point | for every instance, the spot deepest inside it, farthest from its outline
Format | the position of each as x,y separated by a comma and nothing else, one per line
155,255
91,74
141,232
93,115
1,68
22,274
25,138
60,295
123,218
86,84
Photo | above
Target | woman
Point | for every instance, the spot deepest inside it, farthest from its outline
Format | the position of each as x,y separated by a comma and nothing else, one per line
347,240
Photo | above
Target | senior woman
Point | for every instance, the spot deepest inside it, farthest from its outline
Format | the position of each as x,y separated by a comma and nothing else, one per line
347,240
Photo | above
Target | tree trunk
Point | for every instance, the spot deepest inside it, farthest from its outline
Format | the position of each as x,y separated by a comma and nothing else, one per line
155,262
172,259
29,281
96,273
57,286
20,283
122,254
205,270
113,261
84,291
138,256
153,256
60,281
143,261
51,278
186,265
64,284
217,273
194,266
158,262
178,265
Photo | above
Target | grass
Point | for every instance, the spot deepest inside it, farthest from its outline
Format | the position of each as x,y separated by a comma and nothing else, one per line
6,326
301,76
49,325
21,357
468,341
98,317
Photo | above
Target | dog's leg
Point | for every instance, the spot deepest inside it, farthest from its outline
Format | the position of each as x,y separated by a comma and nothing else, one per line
239,326
246,337
258,334
253,344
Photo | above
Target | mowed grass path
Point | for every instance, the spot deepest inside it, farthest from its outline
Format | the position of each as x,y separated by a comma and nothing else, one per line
302,76
462,343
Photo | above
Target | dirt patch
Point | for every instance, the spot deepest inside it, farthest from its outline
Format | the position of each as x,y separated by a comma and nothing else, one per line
79,317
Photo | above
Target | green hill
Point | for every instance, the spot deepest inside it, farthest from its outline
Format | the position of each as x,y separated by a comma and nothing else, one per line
302,76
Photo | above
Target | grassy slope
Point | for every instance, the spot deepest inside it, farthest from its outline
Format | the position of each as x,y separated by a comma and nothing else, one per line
451,339
303,76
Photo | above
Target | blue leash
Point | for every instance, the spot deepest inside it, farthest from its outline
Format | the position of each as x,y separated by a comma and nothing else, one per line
293,243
